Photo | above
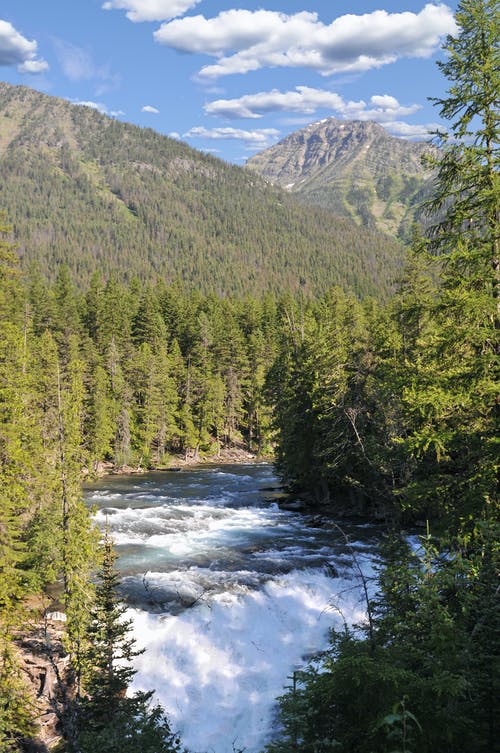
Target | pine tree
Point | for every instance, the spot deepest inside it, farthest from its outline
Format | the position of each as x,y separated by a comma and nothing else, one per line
100,426
15,710
67,311
258,413
468,182
454,400
437,617
110,720
289,390
155,400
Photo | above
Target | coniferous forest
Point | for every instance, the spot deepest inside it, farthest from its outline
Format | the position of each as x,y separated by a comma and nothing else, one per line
90,192
385,410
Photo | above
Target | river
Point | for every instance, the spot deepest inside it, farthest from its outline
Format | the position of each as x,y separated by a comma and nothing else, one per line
228,593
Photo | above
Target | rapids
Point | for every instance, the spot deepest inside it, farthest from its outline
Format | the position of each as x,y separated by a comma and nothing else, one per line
228,593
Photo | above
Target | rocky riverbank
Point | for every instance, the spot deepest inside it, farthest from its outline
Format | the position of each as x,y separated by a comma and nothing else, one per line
226,455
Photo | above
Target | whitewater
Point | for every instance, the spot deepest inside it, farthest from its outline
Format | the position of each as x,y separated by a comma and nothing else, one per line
228,593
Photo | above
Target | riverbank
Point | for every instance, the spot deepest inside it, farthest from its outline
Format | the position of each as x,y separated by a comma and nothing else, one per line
225,456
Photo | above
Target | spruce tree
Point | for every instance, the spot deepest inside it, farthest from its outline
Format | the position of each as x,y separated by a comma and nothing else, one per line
468,184
454,401
111,720
100,426
15,474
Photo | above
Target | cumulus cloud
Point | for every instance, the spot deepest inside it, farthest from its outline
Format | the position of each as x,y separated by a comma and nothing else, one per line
308,100
257,139
33,66
151,10
412,132
151,109
243,40
381,108
17,50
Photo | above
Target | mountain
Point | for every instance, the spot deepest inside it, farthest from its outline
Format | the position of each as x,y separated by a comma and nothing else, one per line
353,168
89,191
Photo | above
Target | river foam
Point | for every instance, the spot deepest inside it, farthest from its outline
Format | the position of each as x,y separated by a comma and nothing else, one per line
218,667
228,595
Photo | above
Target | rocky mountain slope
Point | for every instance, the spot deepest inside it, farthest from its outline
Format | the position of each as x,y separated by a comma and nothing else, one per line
97,194
353,168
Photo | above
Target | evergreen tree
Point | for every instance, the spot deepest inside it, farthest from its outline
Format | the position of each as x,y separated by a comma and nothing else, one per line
289,385
78,539
15,708
94,304
115,323
468,182
100,428
431,651
155,399
110,721
67,311
258,414
453,400
431,660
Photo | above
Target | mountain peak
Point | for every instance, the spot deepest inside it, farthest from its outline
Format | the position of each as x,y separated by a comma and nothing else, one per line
353,167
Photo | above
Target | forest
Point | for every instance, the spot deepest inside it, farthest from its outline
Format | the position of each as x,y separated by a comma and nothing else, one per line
387,411
90,192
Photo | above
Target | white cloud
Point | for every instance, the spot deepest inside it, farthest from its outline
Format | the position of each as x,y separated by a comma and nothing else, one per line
230,30
412,132
259,138
17,50
151,10
307,100
76,63
151,109
243,40
33,66
298,121
174,135
381,108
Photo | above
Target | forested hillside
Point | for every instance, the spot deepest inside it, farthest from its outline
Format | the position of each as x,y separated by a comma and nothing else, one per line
83,189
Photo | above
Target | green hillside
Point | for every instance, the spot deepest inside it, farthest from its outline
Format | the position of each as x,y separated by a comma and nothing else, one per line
83,189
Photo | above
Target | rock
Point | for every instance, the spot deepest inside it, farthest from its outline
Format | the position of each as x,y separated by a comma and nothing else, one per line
293,506
55,617
42,659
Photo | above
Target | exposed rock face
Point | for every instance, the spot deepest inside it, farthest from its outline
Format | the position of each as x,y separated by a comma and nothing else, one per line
43,660
352,167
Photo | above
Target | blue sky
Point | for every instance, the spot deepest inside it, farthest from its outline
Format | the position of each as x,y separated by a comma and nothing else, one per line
233,76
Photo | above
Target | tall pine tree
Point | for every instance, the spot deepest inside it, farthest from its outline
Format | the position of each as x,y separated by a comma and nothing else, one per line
110,719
